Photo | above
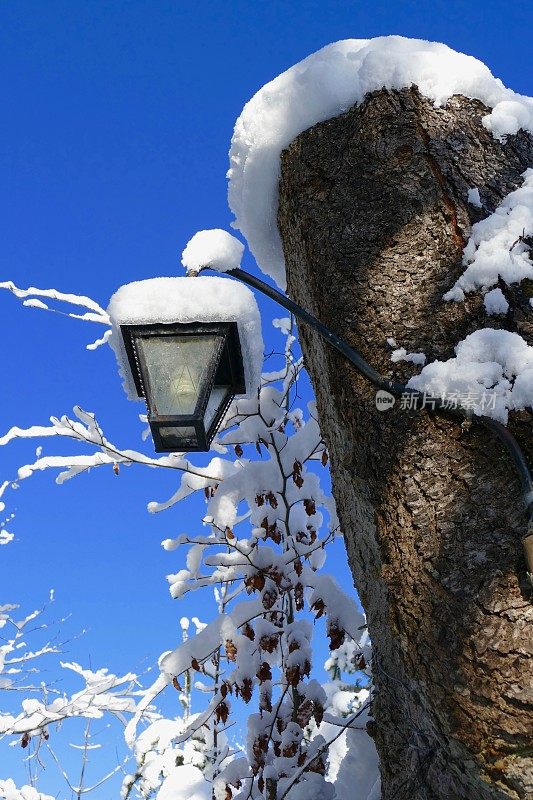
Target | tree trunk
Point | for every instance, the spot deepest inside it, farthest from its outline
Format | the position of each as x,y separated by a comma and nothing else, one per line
374,217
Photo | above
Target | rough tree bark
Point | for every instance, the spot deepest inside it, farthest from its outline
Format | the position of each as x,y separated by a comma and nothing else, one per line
373,217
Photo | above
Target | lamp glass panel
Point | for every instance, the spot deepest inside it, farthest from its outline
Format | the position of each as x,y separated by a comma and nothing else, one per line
216,399
178,368
175,437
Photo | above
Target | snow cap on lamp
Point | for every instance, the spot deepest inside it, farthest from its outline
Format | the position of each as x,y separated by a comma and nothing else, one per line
186,300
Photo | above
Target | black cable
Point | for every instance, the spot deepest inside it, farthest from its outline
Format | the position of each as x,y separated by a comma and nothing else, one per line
343,347
362,366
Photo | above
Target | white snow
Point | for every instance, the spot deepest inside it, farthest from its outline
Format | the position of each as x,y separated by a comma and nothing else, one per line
208,639
401,354
95,312
496,248
311,787
102,340
34,303
185,783
326,84
158,763
509,116
214,248
200,299
473,197
491,374
8,791
353,765
495,302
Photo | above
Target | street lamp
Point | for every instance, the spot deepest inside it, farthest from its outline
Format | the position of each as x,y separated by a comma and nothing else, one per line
186,346
188,373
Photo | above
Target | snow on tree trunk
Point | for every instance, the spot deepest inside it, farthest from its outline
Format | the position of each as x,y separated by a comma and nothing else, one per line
374,215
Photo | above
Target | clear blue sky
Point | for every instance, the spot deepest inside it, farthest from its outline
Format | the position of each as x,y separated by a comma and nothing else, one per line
116,123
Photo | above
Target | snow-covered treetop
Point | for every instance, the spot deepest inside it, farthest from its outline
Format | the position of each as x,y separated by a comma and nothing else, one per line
202,299
326,84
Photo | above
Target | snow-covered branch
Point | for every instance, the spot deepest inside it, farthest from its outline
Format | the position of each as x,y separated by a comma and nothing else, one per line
94,312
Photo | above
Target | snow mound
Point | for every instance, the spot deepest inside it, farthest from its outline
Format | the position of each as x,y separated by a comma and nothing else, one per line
186,781
473,197
214,248
401,354
491,374
326,84
496,247
495,302
8,791
201,299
